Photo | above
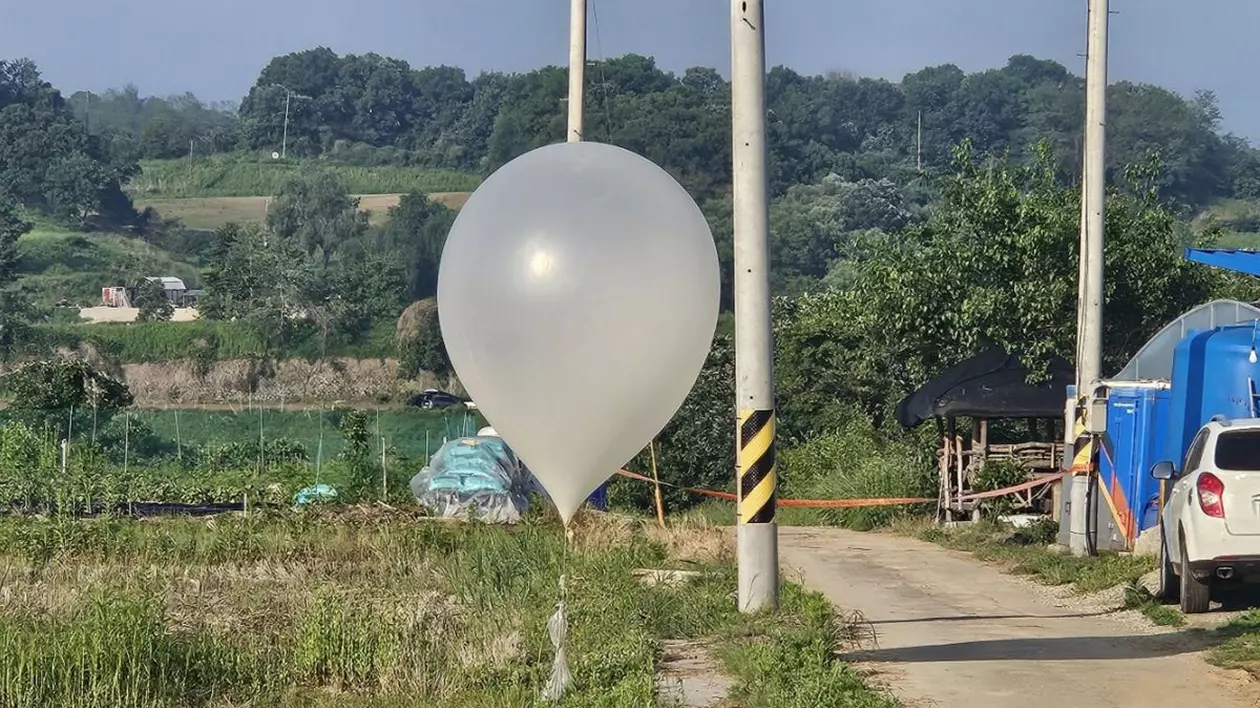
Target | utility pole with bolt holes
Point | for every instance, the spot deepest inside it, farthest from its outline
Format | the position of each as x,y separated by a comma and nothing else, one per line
577,68
757,534
1089,346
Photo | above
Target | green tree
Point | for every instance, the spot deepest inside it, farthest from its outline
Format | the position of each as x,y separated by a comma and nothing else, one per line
813,225
49,161
60,384
317,213
152,301
14,311
259,279
417,230
997,264
356,453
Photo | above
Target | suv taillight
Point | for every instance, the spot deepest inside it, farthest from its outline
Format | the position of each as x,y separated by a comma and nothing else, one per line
1211,490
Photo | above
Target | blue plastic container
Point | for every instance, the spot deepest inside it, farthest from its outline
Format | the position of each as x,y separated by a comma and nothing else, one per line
1212,375
1137,417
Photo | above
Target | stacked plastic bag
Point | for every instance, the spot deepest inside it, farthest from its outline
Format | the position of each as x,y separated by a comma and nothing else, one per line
475,477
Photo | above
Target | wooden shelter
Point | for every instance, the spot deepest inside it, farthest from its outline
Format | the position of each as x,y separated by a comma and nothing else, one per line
986,394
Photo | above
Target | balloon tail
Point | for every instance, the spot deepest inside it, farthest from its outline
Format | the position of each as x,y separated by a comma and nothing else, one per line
557,628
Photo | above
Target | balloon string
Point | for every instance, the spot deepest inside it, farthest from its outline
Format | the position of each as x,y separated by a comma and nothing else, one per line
557,628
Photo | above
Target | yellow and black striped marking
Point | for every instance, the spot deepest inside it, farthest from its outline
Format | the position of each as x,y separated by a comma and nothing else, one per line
756,466
1083,459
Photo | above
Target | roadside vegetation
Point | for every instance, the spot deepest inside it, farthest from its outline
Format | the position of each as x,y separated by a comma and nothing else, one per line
1240,648
1026,552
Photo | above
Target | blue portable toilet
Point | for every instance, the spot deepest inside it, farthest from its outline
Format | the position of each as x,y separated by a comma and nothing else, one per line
1137,416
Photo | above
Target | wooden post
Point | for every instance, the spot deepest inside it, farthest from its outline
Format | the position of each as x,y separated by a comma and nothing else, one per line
660,502
951,452
958,450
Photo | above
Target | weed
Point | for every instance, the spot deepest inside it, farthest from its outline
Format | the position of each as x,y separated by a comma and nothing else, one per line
1240,648
1138,598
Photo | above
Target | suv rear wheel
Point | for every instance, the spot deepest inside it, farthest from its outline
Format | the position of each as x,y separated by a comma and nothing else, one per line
1196,595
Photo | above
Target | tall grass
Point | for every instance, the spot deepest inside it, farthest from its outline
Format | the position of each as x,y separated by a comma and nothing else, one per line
116,650
248,175
1025,552
859,462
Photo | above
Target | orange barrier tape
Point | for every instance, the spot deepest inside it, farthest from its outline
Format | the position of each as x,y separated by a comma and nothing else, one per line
857,503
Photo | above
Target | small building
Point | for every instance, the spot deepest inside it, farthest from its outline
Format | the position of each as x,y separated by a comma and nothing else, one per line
176,291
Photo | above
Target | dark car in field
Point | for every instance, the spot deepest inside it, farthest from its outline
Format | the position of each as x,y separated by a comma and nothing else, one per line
434,399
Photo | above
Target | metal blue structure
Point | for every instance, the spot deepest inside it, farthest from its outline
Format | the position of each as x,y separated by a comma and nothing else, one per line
1237,260
1213,374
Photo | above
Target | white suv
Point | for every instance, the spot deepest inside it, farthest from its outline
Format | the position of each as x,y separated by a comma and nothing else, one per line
1210,521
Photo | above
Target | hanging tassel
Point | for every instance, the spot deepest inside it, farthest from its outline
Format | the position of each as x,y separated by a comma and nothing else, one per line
557,628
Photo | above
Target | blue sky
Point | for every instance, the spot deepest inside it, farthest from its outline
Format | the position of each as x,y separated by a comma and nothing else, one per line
215,49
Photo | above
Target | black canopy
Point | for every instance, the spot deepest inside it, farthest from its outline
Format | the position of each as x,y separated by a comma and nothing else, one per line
992,384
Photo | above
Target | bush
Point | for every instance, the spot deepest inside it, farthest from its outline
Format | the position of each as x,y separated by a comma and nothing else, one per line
999,475
859,462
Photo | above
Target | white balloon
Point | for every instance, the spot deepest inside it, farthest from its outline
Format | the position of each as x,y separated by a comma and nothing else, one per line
578,297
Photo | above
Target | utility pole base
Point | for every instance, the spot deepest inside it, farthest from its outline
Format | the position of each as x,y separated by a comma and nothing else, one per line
758,548
1078,509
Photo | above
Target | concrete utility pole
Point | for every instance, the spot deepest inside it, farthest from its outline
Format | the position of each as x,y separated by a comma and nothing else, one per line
577,68
284,142
757,534
1094,193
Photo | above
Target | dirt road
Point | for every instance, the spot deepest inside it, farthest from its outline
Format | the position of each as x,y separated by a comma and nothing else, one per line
953,633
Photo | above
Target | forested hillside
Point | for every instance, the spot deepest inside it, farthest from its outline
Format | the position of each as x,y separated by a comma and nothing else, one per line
853,127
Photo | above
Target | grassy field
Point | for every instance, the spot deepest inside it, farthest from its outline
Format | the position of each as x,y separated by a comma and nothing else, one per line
60,265
374,608
1240,220
249,175
210,213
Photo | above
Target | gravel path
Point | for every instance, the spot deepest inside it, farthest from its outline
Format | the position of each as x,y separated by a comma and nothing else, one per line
952,632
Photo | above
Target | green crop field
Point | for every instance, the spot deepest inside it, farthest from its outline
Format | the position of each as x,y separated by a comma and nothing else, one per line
412,433
251,175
